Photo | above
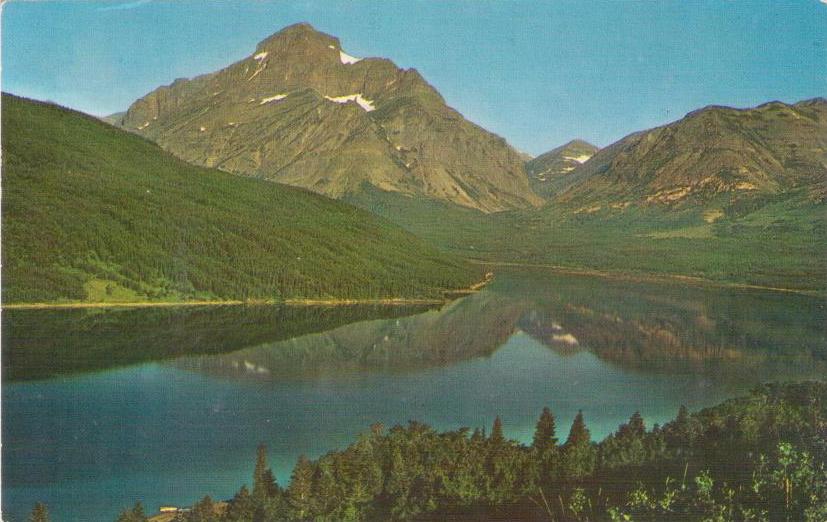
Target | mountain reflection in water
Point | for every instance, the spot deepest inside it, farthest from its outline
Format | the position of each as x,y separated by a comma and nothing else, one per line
728,334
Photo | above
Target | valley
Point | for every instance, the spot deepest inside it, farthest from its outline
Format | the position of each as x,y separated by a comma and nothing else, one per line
730,195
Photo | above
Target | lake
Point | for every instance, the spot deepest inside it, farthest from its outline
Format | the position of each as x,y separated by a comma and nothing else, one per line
103,408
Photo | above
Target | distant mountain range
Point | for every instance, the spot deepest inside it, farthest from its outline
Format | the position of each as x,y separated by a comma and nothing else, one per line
301,111
723,193
548,170
712,152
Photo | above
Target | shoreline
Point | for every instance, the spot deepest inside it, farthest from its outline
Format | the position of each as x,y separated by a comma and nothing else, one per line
449,295
649,277
161,304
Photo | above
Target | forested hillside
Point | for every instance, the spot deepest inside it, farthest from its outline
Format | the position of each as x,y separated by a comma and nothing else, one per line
93,213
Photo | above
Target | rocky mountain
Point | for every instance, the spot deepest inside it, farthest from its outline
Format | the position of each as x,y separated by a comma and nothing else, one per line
302,111
547,170
715,151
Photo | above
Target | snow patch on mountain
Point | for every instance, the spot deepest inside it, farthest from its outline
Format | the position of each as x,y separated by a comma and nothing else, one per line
260,56
348,59
579,159
269,99
566,338
366,104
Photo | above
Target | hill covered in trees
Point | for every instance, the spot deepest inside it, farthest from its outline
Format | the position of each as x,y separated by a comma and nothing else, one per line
94,213
756,458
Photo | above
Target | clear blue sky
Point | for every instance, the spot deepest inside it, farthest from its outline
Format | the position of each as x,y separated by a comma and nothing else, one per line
537,73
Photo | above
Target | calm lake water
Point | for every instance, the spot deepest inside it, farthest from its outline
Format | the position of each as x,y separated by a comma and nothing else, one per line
101,409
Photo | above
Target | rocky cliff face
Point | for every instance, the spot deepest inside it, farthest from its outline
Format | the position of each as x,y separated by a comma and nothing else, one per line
548,170
301,111
714,151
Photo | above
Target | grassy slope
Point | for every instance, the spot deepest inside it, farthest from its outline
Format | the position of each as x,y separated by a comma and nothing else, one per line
776,242
92,213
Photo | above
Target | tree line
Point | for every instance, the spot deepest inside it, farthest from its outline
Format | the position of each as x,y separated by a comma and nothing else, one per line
756,458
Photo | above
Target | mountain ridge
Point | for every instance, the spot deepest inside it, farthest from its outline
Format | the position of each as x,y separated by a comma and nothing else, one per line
302,111
712,151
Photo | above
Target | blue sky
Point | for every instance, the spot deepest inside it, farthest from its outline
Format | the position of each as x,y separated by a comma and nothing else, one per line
537,73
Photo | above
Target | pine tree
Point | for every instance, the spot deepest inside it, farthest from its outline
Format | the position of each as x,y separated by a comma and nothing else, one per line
497,431
478,435
39,513
241,508
203,511
138,512
545,433
300,489
271,487
259,485
579,455
636,427
579,433
683,416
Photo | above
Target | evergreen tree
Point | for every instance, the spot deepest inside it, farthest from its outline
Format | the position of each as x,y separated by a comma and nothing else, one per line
241,507
634,428
478,435
271,487
545,433
203,511
678,433
299,492
138,512
578,433
579,456
39,513
683,416
497,431
259,485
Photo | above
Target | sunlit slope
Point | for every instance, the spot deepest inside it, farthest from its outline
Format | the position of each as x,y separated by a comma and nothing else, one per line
93,213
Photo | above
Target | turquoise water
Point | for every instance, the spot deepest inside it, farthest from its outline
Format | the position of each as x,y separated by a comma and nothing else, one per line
173,430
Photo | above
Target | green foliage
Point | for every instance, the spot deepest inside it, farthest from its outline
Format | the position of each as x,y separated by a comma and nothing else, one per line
203,511
264,482
692,469
91,212
136,514
300,493
765,240
497,437
545,434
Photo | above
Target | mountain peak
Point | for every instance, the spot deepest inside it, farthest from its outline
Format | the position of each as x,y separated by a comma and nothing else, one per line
548,169
302,111
300,34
